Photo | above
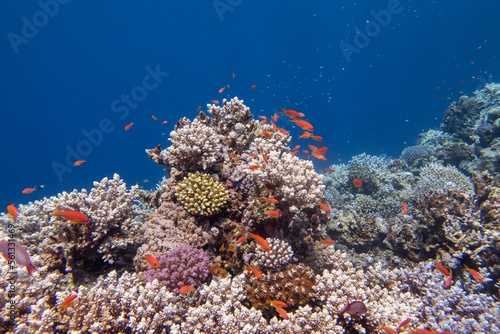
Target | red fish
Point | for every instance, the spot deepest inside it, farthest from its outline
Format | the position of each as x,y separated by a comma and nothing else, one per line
274,126
164,122
264,157
357,183
154,117
260,240
328,241
331,170
296,148
281,311
253,86
186,288
152,261
405,207
266,135
388,330
234,75
292,113
319,156
294,153
74,216
324,207
255,167
255,271
318,138
474,274
448,281
222,89
215,101
441,268
68,302
79,162
271,200
304,125
240,240
128,126
13,211
305,135
264,122
275,117
283,131
199,107
404,323
273,214
29,190
263,117
305,151
275,302
21,255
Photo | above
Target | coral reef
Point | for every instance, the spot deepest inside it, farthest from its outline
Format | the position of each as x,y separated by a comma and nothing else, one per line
281,253
435,177
200,194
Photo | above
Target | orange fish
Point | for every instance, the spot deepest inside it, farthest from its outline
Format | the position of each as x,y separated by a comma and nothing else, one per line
275,117
233,74
328,241
266,135
319,156
304,125
274,126
199,107
271,200
13,211
405,207
357,183
258,239
404,323
253,86
240,240
68,302
305,151
228,86
264,157
292,113
255,271
255,167
474,274
164,122
275,302
294,153
128,126
253,155
154,117
222,89
215,101
318,138
331,170
448,281
79,162
281,311
74,217
263,117
273,214
186,288
296,148
264,122
322,150
305,135
388,330
283,131
29,190
441,268
324,207
152,261
422,331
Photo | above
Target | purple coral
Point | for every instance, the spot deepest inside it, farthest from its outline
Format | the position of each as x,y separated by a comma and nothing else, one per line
185,265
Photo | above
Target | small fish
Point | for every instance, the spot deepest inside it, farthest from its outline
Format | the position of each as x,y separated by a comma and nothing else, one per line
12,211
331,170
152,261
305,151
317,138
128,126
253,155
199,107
266,135
20,255
304,125
319,156
154,117
264,157
258,239
296,148
239,184
448,281
441,268
291,113
79,162
222,89
253,86
255,167
186,288
233,75
404,323
263,117
324,207
405,208
357,183
274,126
255,271
74,216
283,131
273,214
474,274
240,240
388,330
275,302
328,241
294,153
215,101
275,117
29,190
68,302
271,200
305,135
281,311
264,122
164,122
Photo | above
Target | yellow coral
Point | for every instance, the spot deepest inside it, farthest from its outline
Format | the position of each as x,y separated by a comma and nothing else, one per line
200,194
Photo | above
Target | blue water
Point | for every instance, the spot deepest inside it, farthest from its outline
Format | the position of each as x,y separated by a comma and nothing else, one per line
62,77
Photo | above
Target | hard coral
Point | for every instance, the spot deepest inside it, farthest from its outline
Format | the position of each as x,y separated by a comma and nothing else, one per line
281,253
201,195
437,177
185,265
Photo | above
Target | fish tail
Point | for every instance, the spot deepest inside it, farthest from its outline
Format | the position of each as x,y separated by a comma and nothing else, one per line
30,268
57,212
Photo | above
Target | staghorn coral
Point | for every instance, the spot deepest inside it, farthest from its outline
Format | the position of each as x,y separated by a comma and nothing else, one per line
437,177
281,253
184,265
200,194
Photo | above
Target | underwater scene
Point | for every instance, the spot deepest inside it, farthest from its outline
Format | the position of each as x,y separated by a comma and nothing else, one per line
250,167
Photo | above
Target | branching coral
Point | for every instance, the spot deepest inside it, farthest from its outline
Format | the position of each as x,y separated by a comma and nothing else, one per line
437,177
280,254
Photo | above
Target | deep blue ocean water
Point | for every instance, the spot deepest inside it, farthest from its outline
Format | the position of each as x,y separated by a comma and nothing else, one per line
370,76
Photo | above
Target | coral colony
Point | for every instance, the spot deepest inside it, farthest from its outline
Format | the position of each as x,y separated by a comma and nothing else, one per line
246,237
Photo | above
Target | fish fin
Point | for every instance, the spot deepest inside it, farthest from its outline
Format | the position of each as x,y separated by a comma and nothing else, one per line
31,268
57,212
